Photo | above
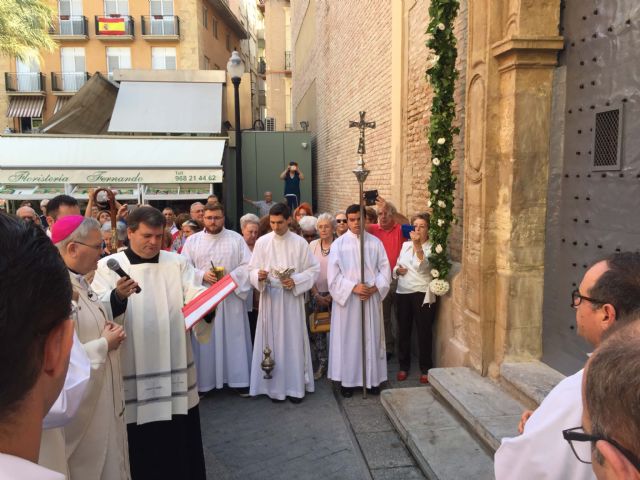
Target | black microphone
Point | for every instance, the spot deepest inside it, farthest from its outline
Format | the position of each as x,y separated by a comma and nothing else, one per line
112,264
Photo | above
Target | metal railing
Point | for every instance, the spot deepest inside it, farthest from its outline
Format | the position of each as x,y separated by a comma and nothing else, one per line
28,82
160,25
262,97
114,25
68,81
287,60
70,26
262,66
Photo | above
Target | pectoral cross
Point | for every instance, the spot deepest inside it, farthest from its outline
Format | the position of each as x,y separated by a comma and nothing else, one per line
362,125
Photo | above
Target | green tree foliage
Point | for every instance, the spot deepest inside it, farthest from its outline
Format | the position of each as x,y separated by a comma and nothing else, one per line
24,28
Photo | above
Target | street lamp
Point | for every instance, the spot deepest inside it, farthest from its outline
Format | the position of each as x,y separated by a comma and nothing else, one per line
235,67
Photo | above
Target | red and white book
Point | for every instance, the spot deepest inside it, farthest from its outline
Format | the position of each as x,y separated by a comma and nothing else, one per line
207,300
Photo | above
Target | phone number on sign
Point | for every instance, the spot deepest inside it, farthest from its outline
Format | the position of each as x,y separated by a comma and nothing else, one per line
195,178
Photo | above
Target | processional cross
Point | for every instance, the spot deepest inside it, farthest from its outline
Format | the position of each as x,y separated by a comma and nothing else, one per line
361,174
362,125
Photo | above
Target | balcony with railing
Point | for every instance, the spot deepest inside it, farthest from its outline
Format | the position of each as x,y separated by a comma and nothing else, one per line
114,27
68,82
262,98
287,61
26,83
160,27
262,66
70,27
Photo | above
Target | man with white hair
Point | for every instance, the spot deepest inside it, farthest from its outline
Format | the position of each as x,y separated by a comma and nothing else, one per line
250,227
43,209
28,214
197,212
263,206
308,225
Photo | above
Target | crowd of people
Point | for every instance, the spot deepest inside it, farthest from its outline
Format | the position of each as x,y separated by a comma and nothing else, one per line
111,372
136,376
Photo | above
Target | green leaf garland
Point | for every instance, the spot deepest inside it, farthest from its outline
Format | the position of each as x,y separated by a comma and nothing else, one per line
442,76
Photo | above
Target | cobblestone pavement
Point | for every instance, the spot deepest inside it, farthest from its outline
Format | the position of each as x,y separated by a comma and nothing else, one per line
324,437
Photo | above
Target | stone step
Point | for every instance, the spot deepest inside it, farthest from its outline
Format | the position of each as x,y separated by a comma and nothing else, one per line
489,411
442,447
529,382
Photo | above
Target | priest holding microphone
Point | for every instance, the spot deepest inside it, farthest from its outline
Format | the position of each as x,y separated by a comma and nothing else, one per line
161,412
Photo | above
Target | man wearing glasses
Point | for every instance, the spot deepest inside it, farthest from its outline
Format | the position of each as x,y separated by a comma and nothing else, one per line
214,252
608,294
609,437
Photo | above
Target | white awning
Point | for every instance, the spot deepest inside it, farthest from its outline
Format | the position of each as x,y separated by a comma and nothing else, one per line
110,152
167,107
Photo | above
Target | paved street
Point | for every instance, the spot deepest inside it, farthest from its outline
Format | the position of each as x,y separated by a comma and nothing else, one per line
324,437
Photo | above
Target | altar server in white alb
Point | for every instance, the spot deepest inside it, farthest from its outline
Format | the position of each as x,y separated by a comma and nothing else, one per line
96,437
163,420
343,275
281,318
227,357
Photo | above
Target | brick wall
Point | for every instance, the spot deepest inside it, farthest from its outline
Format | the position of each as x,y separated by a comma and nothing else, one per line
351,66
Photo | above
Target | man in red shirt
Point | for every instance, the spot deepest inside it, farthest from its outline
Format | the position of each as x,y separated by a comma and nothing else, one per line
389,231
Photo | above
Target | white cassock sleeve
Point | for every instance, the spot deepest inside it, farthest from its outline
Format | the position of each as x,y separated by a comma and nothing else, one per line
383,273
240,274
305,279
187,253
75,383
191,288
541,452
255,265
340,287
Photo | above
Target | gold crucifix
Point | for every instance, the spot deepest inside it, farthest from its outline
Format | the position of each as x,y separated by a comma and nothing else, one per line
362,125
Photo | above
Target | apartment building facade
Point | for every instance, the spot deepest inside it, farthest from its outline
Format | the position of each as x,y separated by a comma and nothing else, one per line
278,58
107,35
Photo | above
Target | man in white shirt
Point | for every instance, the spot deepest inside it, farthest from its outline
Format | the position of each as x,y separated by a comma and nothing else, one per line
609,294
34,352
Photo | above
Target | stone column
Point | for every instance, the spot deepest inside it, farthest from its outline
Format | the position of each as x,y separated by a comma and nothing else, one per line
512,49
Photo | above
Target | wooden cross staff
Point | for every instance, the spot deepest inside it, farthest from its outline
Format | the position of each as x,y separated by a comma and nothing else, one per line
362,125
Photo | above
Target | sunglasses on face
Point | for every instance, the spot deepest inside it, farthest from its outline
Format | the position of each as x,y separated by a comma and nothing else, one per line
341,220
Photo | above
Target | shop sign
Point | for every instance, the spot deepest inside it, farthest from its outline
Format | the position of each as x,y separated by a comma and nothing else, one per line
109,177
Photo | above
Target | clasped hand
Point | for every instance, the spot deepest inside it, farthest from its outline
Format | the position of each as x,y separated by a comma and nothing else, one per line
364,291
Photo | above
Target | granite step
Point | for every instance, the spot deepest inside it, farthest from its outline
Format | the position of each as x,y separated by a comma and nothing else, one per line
442,447
529,382
490,412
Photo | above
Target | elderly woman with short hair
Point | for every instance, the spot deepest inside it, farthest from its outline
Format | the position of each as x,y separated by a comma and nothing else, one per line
320,297
415,301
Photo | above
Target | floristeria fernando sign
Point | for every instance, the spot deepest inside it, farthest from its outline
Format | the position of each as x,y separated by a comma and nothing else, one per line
108,177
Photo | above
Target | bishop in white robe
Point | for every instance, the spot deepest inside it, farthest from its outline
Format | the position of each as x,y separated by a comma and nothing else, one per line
227,357
281,318
161,398
343,275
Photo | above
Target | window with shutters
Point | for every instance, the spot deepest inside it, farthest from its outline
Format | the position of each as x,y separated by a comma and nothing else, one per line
116,7
72,61
70,17
118,58
163,58
162,21
28,75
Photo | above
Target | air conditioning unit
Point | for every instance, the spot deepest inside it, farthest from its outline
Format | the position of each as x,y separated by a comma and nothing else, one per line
270,123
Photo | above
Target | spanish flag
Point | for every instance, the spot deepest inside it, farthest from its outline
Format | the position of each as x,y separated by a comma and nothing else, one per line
111,26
